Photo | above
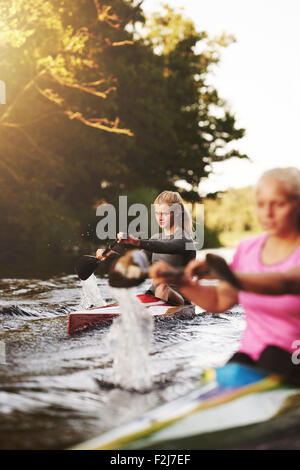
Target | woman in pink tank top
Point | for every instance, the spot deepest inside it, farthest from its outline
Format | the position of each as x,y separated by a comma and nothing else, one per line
268,270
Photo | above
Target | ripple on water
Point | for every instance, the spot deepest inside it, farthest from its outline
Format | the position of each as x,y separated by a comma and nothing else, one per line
54,388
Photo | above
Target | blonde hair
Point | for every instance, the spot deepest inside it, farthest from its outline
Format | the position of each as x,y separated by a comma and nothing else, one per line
173,197
289,177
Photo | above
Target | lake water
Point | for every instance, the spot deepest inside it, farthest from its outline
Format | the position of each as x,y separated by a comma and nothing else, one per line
56,389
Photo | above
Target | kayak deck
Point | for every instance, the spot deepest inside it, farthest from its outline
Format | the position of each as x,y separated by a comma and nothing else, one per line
83,319
216,405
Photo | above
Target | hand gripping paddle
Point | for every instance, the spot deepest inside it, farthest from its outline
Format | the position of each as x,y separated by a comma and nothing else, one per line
87,264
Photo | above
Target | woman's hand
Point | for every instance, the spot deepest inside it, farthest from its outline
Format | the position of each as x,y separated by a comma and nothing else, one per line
162,273
157,270
196,268
127,239
101,257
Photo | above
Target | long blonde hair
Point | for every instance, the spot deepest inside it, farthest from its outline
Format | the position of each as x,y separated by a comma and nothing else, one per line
173,197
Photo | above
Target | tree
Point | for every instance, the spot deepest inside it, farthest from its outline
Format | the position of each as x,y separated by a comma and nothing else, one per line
51,48
202,124
233,211
95,110
51,63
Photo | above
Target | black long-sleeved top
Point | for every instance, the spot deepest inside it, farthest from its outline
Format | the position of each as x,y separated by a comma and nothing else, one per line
177,250
174,250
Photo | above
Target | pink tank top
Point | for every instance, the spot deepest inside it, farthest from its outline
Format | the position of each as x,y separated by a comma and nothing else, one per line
270,320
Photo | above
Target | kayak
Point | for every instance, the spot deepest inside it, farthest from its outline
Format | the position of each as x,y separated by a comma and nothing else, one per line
83,319
229,397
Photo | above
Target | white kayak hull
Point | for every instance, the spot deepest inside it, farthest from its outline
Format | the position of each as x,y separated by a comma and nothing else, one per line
83,319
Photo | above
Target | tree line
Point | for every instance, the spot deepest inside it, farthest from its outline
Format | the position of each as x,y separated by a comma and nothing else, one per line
101,101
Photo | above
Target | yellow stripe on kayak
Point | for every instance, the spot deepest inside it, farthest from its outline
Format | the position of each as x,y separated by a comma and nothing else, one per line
172,310
268,383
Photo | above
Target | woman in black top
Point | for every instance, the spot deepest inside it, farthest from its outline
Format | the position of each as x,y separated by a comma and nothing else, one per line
174,245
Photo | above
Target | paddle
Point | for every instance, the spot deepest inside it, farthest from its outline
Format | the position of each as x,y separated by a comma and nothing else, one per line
217,265
131,270
87,264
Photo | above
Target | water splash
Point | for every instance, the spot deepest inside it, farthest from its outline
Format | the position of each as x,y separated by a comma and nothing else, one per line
129,340
90,295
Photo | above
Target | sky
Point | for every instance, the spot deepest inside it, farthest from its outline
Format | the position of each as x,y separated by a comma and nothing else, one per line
258,76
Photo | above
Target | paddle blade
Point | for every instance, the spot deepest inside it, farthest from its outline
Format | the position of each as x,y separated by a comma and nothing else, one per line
129,270
86,266
218,266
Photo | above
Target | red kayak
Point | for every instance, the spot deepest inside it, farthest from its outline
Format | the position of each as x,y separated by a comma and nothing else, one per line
94,316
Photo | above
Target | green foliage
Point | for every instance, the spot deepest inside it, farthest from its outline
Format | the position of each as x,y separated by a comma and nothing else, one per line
232,214
38,223
200,123
211,238
142,195
95,110
166,30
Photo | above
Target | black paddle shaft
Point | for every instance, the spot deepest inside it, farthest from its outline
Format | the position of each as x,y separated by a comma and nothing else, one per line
218,265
